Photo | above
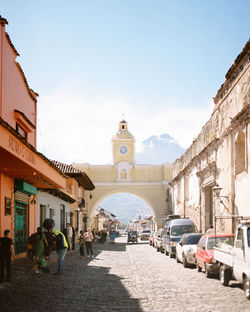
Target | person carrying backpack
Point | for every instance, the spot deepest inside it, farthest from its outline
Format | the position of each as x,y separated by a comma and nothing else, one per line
61,248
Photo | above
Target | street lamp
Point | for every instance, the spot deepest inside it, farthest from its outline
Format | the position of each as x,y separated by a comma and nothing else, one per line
217,189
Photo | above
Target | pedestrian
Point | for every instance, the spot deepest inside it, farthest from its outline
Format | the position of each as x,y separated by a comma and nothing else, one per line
73,238
82,244
69,236
88,236
49,247
61,248
6,253
40,242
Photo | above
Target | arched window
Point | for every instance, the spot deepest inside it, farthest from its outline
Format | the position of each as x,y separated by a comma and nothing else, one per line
240,153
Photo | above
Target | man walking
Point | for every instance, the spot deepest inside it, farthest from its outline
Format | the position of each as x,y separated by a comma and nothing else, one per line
6,252
61,248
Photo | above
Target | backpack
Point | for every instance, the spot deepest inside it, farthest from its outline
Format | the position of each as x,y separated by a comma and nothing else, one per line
34,238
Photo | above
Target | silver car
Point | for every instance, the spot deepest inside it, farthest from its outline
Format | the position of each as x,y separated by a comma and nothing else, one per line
186,248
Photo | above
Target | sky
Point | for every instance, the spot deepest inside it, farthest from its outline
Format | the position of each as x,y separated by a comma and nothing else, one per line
156,63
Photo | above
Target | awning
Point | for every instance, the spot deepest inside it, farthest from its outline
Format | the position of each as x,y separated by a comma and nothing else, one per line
20,160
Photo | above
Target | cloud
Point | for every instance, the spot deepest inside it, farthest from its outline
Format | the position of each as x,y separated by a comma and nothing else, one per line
76,126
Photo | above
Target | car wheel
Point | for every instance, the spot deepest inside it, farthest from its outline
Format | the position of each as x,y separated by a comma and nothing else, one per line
224,276
199,269
185,263
171,255
158,249
177,260
208,274
166,253
246,286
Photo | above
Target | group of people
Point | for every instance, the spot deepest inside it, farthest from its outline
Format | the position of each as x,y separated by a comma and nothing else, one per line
40,246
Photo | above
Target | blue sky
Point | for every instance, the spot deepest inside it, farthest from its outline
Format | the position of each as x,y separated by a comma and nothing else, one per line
158,62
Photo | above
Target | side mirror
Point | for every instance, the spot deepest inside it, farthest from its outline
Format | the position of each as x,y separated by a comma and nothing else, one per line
203,248
238,244
181,243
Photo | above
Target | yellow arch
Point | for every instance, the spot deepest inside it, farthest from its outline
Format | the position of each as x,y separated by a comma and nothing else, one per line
122,190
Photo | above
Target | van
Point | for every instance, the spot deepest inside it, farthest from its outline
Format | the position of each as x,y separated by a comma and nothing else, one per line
173,231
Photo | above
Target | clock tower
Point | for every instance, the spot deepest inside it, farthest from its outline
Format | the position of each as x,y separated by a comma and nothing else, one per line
123,144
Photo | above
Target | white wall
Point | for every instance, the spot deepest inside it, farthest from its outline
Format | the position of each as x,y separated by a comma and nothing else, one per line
53,202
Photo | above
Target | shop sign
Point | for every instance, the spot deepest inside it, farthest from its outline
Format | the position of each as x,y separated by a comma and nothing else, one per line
21,150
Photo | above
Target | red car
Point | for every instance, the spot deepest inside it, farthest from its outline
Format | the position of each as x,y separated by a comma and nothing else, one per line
205,252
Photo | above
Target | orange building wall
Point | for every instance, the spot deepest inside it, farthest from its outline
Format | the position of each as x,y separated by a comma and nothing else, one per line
7,190
14,90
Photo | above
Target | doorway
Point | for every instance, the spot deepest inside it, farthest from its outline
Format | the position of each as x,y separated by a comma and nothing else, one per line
208,207
21,226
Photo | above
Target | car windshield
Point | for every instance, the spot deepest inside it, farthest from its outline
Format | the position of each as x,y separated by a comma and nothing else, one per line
192,240
132,233
219,241
179,230
145,231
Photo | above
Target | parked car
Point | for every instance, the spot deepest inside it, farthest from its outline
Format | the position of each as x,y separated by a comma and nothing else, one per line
144,235
186,248
173,231
204,254
234,261
151,238
159,240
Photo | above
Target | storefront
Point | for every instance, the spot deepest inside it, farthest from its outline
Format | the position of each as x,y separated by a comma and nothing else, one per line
22,171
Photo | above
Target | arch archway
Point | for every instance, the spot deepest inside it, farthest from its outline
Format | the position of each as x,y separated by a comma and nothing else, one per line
119,191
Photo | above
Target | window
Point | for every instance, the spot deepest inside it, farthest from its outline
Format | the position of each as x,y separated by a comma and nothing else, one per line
240,153
21,131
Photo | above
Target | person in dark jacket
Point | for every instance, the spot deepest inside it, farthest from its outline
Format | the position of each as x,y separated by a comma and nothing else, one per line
6,251
61,248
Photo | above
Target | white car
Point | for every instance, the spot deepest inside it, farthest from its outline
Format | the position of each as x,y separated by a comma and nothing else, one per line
186,248
144,235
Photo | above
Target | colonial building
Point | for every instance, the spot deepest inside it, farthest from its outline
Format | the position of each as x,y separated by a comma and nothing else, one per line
105,220
22,168
211,179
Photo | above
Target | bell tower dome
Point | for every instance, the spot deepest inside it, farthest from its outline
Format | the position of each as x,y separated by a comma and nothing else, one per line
123,144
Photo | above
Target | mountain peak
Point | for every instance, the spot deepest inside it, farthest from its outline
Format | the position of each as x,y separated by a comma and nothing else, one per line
159,149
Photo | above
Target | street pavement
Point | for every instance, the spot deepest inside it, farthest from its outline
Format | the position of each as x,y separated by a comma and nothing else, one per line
121,277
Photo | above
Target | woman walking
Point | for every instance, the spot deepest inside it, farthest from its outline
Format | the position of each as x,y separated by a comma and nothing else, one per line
88,236
82,243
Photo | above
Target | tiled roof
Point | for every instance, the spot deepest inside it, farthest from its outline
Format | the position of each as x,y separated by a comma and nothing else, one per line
80,176
11,44
3,21
25,81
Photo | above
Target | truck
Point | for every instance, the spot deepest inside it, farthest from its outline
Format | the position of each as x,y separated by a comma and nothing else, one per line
234,261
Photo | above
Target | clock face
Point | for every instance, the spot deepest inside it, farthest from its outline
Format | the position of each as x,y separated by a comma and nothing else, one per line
123,149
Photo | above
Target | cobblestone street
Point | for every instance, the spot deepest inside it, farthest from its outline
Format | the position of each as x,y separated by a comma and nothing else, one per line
121,277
